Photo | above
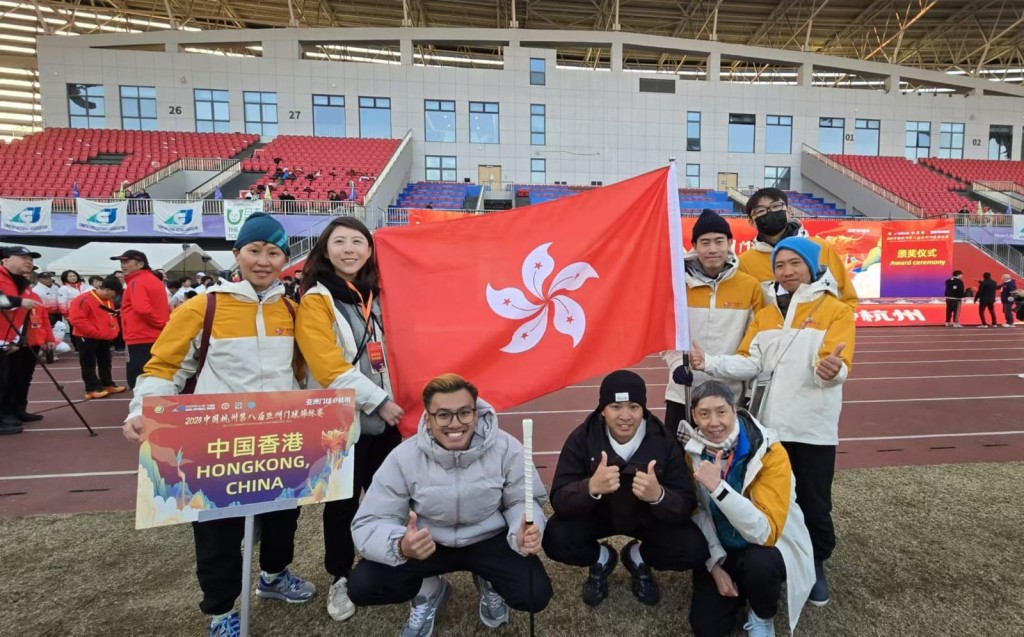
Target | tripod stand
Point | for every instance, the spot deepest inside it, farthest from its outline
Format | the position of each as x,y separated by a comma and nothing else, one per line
5,304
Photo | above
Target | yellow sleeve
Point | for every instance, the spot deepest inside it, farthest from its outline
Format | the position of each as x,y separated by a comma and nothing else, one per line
314,332
169,353
748,338
842,329
847,293
770,492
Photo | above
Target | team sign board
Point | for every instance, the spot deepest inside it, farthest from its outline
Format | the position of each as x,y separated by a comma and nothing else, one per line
217,451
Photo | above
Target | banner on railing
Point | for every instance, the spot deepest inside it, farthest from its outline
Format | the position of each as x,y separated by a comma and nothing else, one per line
24,216
236,211
1018,226
96,216
177,218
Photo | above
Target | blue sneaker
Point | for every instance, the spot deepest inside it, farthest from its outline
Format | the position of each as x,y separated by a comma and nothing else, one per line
230,626
286,587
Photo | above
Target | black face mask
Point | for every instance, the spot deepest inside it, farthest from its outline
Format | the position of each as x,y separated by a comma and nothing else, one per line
771,223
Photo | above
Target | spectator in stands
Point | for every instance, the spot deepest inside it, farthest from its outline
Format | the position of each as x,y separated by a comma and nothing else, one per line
252,194
332,195
412,528
253,351
95,319
144,311
955,294
1006,296
749,516
712,275
340,333
803,402
24,330
768,210
985,297
622,472
49,292
286,196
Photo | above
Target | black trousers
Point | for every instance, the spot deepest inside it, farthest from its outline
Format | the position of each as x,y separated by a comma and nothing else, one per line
21,365
219,555
5,375
813,469
370,452
991,307
1008,312
375,584
95,361
758,572
952,311
138,356
665,547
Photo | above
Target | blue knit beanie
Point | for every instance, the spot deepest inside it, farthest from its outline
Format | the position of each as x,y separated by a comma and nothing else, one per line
262,227
808,250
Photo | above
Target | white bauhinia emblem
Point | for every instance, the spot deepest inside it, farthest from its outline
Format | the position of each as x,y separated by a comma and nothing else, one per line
512,303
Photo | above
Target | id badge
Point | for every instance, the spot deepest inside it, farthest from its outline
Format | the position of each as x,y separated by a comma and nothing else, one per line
376,353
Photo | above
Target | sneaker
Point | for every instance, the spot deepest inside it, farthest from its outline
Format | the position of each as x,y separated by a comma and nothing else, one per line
230,626
91,395
957,325
114,389
819,592
24,416
9,426
423,611
286,587
757,627
645,587
339,606
1007,325
949,325
595,588
493,609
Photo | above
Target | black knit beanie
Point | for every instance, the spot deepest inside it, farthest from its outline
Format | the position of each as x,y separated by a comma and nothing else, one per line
623,386
710,221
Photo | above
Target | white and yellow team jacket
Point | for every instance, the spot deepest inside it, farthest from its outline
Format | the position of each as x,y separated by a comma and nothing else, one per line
719,312
799,405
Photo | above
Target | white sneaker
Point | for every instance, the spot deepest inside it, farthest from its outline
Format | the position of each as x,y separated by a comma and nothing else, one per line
339,606
1021,376
957,325
949,325
757,627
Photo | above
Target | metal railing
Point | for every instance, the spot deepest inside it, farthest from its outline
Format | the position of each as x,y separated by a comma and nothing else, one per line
185,163
995,246
974,220
227,174
884,193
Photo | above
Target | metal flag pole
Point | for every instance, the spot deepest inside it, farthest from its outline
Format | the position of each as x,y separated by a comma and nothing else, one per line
528,481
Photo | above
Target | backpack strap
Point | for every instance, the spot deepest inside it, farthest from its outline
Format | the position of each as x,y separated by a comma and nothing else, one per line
204,342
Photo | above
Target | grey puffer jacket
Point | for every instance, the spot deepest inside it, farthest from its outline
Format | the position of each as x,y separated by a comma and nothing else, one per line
463,497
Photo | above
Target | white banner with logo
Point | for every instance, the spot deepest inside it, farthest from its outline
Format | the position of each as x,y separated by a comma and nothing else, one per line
178,218
1018,226
96,216
236,211
23,216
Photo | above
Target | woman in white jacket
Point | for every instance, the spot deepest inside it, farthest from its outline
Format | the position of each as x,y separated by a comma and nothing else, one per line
341,335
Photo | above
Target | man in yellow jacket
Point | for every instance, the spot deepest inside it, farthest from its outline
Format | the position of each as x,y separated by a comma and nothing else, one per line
803,344
768,210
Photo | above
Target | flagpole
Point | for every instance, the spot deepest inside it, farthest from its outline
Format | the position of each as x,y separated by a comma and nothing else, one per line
528,482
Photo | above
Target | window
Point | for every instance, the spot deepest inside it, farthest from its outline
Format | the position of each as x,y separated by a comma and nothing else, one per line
693,175
918,140
212,115
138,108
951,140
776,177
537,125
657,86
260,113
741,132
693,130
439,121
86,108
375,117
329,115
830,135
538,171
1000,141
779,135
538,76
865,139
484,123
440,168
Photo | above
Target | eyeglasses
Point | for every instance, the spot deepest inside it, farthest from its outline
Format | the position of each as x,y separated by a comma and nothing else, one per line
444,417
778,206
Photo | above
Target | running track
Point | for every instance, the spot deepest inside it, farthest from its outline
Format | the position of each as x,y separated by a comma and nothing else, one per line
916,396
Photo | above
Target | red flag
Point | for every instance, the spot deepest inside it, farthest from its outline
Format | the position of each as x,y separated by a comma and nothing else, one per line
526,302
425,215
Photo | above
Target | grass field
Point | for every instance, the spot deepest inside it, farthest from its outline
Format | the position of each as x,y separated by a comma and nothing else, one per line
922,551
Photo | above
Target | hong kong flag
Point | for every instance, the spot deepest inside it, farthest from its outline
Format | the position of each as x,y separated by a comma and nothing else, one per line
526,302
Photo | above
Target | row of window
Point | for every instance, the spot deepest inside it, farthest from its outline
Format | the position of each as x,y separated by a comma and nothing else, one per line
774,176
444,168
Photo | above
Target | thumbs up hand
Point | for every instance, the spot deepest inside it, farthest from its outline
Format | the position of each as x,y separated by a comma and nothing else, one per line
709,474
646,486
605,478
416,544
696,357
829,367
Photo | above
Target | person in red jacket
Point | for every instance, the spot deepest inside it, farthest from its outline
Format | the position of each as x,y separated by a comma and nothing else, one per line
95,321
17,302
144,310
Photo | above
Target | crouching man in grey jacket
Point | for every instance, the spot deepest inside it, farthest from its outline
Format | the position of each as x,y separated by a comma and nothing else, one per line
451,498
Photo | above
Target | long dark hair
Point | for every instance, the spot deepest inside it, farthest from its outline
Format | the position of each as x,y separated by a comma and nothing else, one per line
318,264
65,273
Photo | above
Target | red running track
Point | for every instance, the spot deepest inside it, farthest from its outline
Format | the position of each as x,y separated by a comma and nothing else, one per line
917,395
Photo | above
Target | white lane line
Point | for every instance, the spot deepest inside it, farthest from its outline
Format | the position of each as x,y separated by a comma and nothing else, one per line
948,349
859,362
650,384
79,428
44,476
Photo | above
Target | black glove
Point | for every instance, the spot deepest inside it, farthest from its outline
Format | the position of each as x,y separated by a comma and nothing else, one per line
682,376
